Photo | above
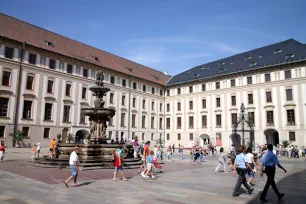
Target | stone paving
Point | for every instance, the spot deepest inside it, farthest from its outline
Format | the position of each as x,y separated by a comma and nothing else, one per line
183,182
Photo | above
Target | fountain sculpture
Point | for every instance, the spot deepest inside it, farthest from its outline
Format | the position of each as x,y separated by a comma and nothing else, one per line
95,152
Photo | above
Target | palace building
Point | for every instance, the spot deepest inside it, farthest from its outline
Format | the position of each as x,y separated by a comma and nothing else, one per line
45,77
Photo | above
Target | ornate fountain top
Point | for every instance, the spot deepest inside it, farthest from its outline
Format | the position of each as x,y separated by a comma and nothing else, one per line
100,78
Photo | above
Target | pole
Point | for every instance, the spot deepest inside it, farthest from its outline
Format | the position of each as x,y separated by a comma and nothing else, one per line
18,93
129,113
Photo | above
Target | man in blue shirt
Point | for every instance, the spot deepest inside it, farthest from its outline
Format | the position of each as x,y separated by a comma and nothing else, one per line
269,160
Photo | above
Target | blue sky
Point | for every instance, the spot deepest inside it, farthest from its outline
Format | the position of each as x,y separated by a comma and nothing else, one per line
166,35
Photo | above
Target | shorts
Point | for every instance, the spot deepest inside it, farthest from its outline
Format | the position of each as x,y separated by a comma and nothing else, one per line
38,151
33,155
74,171
250,173
150,167
51,149
117,168
1,154
144,162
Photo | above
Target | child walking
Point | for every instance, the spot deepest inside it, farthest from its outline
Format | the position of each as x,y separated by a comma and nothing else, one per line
222,161
150,165
118,163
33,152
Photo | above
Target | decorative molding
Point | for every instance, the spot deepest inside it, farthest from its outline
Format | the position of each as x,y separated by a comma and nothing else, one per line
179,114
251,107
68,101
218,111
233,109
269,106
7,93
190,113
144,112
50,98
134,111
84,104
289,105
123,109
204,112
153,114
29,95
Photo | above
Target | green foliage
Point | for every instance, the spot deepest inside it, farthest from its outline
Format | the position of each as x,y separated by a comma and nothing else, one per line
160,142
69,137
18,137
285,143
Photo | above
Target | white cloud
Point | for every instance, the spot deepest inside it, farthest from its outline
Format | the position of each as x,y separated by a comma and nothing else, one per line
162,40
226,47
146,55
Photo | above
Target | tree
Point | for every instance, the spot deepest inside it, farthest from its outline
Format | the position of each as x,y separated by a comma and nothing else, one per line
160,142
286,143
69,137
18,136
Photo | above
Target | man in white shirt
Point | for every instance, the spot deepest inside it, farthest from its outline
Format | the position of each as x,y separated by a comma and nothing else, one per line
74,165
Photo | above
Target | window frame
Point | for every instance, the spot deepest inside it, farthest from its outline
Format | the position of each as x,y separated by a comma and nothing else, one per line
27,82
249,80
28,114
8,80
267,77
7,54
4,108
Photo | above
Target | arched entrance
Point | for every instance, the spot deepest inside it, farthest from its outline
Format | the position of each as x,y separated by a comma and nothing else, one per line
236,140
64,135
205,139
80,136
272,136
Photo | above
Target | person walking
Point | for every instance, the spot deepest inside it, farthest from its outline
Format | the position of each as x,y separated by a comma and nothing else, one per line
252,163
52,145
241,164
144,156
74,166
169,154
33,152
181,151
173,148
2,150
269,160
221,161
118,163
38,150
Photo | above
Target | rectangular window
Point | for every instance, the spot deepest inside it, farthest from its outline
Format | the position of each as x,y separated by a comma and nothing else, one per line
144,104
134,102
190,89
48,111
50,86
152,136
160,107
218,85
84,93
3,107
8,53
160,123
168,92
110,134
161,92
32,58
178,106
68,90
133,121
168,123
66,118
191,122
6,78
190,105
179,136
269,97
143,136
204,121
203,103
288,74
123,100
134,85
233,83
143,122
112,80
234,119
27,110
250,98
291,136
218,102
25,131
30,82
144,88
168,107
52,64
289,94
110,122
249,79
233,100
82,118
2,131
123,82
251,118
153,90
46,133
122,120
152,123
168,136
267,77
270,119
111,98
191,136
218,120
290,117
178,91
152,105
179,122
203,87
69,68
85,73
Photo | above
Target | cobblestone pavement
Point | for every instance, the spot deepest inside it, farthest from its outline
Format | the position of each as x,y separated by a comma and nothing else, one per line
183,182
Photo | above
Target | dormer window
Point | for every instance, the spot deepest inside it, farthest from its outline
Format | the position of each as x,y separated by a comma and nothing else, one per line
222,63
97,58
277,51
130,70
259,56
247,57
289,56
49,43
252,64
201,68
156,78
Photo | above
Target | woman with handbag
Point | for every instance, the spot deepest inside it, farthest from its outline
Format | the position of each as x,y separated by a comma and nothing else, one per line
221,160
118,163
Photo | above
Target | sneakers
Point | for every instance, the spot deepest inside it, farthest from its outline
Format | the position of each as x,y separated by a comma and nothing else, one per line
153,177
280,196
251,190
142,174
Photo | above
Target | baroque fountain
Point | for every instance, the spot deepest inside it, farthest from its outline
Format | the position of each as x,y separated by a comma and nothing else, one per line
94,152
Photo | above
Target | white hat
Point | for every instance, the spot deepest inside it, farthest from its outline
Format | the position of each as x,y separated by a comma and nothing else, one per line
38,143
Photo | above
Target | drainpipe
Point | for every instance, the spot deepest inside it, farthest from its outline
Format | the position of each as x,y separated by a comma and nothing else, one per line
18,92
129,113
164,116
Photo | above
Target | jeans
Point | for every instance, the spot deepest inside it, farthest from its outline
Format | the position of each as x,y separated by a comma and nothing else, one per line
241,180
181,154
270,171
219,165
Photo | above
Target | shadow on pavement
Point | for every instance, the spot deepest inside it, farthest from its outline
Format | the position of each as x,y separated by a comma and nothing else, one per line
293,186
87,183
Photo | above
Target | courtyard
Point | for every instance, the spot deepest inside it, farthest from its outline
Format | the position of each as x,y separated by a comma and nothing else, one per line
183,182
